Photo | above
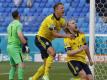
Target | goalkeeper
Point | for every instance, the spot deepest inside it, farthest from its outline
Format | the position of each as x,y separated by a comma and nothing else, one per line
77,50
14,47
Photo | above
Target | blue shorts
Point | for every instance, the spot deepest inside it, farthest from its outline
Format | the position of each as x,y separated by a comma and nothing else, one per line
76,66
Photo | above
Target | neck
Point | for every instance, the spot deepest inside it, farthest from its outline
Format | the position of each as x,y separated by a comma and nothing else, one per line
17,19
56,16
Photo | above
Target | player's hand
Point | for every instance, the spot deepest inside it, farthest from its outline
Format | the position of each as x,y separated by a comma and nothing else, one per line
70,36
27,49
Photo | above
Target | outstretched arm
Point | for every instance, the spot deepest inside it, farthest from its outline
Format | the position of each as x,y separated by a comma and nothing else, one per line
88,54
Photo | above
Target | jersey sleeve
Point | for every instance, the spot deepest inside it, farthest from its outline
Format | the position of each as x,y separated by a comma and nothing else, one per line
19,28
67,45
84,39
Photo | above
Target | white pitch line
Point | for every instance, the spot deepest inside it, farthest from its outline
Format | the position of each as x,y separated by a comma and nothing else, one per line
4,73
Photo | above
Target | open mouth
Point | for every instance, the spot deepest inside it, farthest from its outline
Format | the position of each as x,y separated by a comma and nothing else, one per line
63,12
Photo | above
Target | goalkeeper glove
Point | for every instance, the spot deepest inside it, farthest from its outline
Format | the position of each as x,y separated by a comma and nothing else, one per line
25,48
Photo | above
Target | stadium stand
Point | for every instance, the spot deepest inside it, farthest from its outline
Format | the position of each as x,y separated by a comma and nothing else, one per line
39,10
32,17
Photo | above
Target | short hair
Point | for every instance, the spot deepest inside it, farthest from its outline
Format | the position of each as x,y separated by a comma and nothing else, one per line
56,5
15,14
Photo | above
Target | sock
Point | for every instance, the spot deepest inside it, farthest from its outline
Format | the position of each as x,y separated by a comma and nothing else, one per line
48,64
39,73
12,73
20,73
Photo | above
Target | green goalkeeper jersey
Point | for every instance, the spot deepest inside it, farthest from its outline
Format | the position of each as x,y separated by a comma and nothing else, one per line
12,30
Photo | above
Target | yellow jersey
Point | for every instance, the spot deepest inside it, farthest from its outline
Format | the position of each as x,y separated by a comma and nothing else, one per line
75,44
50,24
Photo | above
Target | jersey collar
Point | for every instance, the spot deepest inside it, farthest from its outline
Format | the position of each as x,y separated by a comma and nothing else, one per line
56,17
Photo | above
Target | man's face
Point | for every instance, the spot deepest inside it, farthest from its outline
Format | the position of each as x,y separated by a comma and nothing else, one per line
72,25
60,10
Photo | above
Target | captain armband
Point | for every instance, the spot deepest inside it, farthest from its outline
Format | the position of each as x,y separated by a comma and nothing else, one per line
68,48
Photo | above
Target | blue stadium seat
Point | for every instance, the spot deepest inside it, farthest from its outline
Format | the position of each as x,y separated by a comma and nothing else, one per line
26,11
1,5
42,5
78,10
81,20
81,5
45,11
38,1
39,10
69,1
85,10
63,1
2,10
82,14
7,10
3,1
56,1
79,24
74,5
36,5
2,29
66,6
71,9
76,1
82,1
21,10
76,14
9,1
44,1
49,4
50,10
11,5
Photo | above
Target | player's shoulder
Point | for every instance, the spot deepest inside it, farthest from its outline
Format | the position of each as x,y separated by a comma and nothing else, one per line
67,39
80,32
19,24
62,18
50,17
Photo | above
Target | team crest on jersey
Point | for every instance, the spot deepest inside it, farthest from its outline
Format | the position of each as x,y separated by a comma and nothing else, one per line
52,27
65,44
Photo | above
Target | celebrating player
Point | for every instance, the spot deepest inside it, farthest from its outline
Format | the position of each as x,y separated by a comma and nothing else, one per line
14,48
77,50
49,30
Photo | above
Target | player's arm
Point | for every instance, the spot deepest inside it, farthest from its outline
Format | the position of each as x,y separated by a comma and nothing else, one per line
21,37
69,49
53,28
58,35
86,48
74,52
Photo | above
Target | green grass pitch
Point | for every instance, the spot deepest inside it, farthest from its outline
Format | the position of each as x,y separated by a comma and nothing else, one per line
59,71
